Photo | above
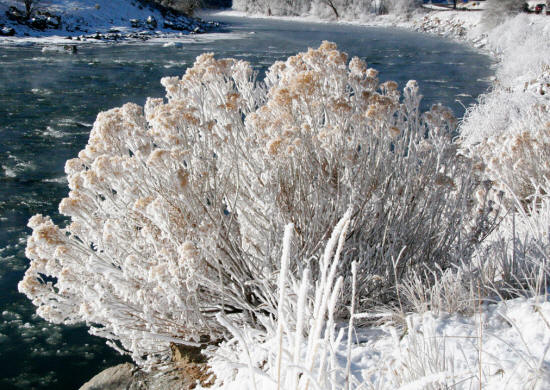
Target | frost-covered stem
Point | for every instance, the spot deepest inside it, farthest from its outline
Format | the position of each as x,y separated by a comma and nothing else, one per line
338,237
480,336
333,345
236,332
350,323
395,262
281,312
301,307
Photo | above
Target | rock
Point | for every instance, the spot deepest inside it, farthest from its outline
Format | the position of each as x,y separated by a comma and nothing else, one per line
168,24
183,376
52,21
70,48
151,22
173,44
38,23
187,354
178,24
122,377
41,20
7,32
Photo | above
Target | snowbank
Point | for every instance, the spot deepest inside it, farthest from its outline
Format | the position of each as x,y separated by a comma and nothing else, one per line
505,344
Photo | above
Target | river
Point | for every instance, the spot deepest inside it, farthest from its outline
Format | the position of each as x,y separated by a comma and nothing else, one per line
49,99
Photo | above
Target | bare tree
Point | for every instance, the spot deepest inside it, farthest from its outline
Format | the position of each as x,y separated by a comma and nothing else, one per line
332,5
30,7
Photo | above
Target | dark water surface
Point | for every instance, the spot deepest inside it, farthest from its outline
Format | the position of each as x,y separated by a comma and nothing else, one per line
48,102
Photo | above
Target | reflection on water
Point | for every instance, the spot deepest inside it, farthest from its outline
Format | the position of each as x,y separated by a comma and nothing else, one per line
48,102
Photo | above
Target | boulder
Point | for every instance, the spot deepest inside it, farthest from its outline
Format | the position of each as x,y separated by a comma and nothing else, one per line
7,31
122,377
183,376
38,23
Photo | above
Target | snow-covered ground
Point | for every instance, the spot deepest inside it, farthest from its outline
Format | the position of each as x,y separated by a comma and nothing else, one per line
505,344
92,21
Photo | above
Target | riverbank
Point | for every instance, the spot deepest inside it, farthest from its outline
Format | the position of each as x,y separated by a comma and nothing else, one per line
83,21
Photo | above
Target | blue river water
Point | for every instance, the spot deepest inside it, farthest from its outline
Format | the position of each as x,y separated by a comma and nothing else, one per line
49,99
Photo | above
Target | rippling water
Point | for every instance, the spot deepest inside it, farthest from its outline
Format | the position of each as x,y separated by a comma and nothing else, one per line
48,102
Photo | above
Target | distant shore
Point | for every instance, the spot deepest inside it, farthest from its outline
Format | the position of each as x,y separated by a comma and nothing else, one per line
102,21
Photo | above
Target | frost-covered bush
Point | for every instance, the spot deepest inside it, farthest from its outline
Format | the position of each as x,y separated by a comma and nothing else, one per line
514,259
177,208
522,43
508,131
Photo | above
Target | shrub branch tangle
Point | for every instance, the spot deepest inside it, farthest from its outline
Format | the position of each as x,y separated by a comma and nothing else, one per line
177,209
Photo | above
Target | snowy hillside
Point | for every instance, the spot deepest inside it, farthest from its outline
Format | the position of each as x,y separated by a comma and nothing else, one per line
98,19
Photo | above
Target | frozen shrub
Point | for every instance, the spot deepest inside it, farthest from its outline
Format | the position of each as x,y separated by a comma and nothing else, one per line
523,45
508,131
360,145
509,136
177,209
514,259
518,163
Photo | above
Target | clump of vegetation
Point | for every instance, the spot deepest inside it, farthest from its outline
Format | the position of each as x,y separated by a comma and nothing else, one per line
177,209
